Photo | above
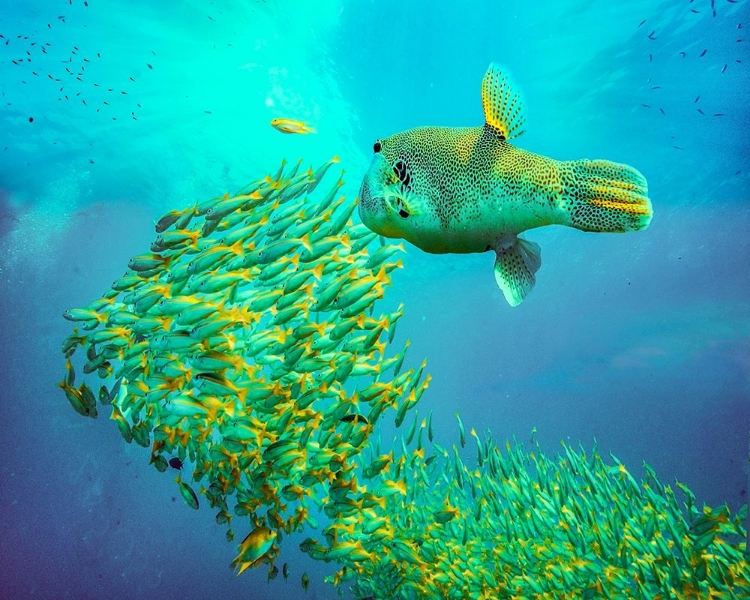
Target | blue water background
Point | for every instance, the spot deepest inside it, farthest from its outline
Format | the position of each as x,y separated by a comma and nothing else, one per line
640,341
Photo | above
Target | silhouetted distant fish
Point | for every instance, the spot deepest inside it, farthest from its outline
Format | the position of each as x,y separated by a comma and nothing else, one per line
703,53
724,68
696,99
651,35
700,111
661,110
642,22
355,418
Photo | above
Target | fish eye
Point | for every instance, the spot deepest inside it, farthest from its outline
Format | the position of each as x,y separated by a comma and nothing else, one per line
377,147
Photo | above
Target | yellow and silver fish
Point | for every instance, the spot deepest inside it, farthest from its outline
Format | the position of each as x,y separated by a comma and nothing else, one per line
291,126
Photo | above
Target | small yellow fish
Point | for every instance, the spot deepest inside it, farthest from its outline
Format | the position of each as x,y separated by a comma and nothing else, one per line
291,126
255,545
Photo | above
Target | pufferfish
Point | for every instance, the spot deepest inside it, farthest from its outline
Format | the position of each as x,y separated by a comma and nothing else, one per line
467,189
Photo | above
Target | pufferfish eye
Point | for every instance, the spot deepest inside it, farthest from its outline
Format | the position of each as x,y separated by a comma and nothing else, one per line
377,147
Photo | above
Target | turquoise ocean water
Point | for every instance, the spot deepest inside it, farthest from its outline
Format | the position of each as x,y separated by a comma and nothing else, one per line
115,112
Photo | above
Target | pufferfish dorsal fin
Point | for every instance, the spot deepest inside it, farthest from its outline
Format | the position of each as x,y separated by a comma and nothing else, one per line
503,107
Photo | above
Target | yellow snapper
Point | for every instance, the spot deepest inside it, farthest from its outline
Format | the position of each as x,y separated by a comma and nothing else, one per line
291,126
467,189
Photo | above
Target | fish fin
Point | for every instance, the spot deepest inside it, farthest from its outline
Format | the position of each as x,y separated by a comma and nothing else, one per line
599,195
515,266
318,271
503,107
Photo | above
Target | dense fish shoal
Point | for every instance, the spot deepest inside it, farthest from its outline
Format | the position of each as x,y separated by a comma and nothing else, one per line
245,351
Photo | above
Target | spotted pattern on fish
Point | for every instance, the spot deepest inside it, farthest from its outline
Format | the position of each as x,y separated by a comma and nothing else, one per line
604,196
468,189
460,168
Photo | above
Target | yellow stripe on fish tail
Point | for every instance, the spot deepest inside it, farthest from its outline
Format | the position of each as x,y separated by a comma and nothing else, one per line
599,195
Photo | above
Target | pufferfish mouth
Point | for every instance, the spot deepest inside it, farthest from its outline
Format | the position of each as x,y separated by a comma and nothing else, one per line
383,201
396,203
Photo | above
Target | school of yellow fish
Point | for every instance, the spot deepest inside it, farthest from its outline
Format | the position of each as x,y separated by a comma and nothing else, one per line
245,344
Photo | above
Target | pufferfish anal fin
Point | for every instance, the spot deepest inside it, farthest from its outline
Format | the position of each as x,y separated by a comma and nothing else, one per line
503,107
517,261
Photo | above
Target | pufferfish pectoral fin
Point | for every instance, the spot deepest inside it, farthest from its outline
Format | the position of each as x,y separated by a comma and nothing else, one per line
515,266
503,107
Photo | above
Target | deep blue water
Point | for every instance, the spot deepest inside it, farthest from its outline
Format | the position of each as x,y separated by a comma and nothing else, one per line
640,341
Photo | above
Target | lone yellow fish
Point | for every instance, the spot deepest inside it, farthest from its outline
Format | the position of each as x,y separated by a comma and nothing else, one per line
291,126
466,189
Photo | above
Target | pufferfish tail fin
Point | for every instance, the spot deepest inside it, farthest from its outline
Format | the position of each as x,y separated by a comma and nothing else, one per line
516,263
599,195
503,107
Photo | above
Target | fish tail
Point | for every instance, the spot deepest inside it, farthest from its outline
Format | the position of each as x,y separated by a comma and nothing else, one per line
599,195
